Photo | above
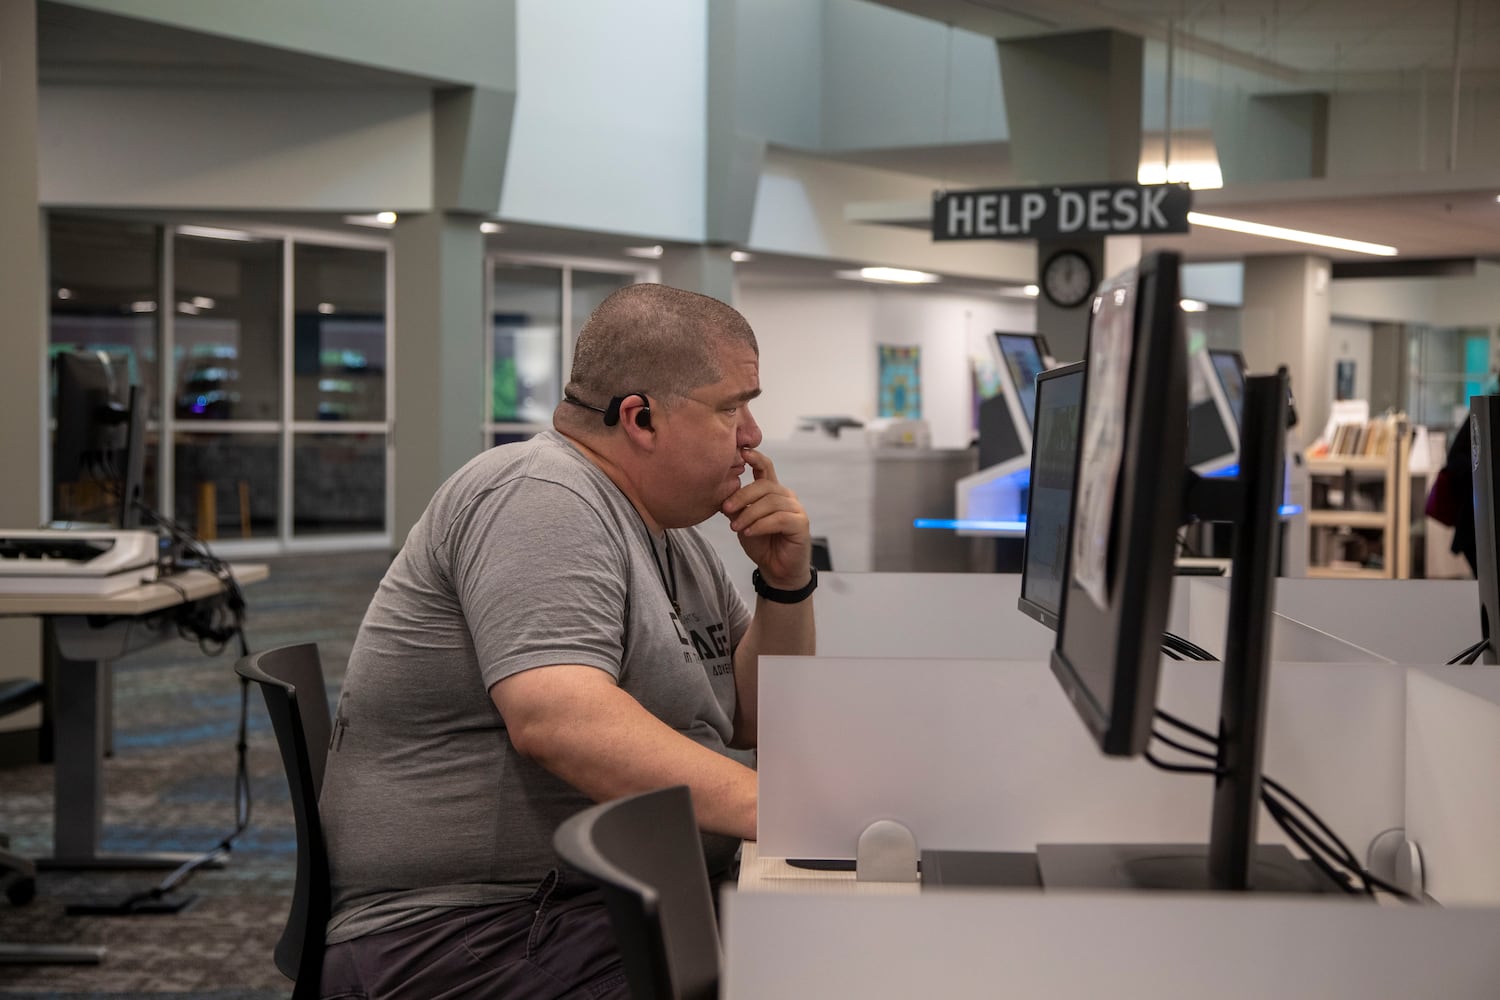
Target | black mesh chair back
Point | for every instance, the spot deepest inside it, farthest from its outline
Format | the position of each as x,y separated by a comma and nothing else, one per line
291,678
647,855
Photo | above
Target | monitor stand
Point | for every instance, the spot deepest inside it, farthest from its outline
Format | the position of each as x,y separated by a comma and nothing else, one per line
1181,867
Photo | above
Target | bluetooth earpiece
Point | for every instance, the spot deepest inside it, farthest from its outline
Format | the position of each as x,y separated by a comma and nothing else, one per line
643,415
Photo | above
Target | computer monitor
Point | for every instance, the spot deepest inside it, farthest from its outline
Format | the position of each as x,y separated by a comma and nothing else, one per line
99,439
1054,460
1131,494
1484,447
1231,369
1132,455
1025,357
1213,439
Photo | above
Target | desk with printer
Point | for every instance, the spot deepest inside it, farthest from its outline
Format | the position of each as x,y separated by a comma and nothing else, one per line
101,595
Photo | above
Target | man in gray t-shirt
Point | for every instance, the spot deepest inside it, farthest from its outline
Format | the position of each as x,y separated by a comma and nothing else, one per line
555,632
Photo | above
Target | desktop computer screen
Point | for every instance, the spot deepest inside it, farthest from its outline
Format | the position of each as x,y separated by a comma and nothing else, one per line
1131,494
98,446
1230,367
1024,355
1054,459
1126,506
1213,439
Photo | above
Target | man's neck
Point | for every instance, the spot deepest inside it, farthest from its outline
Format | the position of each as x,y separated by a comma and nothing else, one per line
618,475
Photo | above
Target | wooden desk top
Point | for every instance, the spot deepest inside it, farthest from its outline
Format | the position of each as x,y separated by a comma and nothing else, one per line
758,874
147,597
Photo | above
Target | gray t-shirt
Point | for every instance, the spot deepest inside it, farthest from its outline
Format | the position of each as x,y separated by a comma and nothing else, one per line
528,556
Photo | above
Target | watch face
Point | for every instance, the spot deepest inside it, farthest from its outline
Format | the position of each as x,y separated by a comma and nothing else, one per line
1068,278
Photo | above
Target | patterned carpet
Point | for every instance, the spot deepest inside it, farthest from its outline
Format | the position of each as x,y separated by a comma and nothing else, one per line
170,786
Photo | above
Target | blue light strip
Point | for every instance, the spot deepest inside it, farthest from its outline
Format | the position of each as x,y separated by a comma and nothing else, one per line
968,524
1290,509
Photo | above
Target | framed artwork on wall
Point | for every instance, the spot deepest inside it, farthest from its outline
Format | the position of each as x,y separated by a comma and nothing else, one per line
900,382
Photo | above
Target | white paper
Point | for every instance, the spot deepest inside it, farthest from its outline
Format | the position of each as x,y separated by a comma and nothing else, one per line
1111,343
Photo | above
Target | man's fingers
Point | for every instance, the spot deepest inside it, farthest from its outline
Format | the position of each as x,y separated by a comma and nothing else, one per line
760,465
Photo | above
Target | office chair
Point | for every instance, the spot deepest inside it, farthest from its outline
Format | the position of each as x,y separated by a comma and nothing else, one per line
291,678
18,874
646,853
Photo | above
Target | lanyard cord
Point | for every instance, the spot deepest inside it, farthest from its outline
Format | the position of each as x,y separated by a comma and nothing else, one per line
669,576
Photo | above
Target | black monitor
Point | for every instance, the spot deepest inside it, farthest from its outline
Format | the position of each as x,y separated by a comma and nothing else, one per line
1131,463
99,438
1131,494
1049,509
1484,449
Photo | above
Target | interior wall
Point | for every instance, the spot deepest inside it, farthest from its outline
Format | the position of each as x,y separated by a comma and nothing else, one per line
321,150
610,130
460,45
819,350
1352,341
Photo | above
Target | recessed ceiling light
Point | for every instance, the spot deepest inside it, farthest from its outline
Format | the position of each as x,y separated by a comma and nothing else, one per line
326,308
491,227
143,306
1031,291
649,252
215,233
1193,306
740,256
202,301
65,293
1291,235
376,221
891,275
188,308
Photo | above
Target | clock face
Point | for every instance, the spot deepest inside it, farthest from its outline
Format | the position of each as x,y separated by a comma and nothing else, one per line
1068,278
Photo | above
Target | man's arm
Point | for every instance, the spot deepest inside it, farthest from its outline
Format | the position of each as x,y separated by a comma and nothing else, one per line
577,723
775,629
773,530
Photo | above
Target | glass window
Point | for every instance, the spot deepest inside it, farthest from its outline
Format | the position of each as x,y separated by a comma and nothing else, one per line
589,289
338,333
338,483
227,485
105,279
526,382
227,298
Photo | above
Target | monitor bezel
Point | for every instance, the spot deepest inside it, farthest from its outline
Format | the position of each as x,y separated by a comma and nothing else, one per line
1146,514
1029,607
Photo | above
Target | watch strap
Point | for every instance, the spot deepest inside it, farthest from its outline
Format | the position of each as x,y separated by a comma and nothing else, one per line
771,593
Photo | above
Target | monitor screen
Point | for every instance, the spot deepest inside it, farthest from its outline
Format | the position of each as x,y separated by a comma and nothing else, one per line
1054,462
1131,469
1213,427
1230,368
98,444
1024,361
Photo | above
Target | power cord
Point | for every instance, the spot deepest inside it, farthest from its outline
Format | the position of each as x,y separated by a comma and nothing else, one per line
1471,653
1316,839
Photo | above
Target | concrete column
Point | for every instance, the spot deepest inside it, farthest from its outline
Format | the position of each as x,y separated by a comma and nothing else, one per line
23,334
439,377
707,270
1284,321
1073,102
734,159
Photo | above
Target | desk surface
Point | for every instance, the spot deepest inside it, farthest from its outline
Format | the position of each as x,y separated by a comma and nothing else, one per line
148,597
758,874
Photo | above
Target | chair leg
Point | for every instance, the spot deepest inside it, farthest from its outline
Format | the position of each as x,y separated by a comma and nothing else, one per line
208,511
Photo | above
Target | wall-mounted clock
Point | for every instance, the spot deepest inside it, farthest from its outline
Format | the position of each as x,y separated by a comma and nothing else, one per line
1068,278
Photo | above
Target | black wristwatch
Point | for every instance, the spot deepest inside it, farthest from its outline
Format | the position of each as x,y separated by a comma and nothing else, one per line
770,593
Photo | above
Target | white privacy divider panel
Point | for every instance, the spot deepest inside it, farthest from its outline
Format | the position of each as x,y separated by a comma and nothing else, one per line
1079,946
989,755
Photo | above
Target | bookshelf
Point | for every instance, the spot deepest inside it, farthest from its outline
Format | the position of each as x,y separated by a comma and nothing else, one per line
1360,501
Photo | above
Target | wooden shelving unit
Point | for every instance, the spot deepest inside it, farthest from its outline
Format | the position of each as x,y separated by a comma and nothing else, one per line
1358,520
